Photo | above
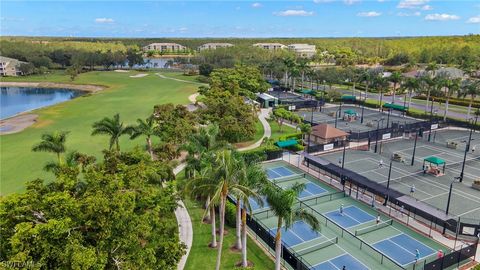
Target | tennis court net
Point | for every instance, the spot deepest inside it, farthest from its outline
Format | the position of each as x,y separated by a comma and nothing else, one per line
323,198
316,247
459,163
374,227
288,178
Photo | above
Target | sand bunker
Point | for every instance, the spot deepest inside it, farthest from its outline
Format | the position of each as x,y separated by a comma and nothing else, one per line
17,123
139,75
121,70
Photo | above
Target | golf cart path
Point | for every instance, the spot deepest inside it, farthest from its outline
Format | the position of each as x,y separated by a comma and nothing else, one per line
185,228
178,80
267,131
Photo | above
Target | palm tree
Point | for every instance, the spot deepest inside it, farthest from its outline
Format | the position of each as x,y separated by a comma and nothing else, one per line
112,127
395,78
283,204
381,84
471,88
254,177
411,84
366,76
73,160
431,69
451,86
288,63
226,179
53,143
305,129
303,68
147,127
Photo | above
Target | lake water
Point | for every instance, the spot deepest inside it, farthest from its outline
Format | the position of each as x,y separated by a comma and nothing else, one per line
14,100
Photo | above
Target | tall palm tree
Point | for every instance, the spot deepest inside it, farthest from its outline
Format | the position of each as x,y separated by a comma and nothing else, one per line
303,68
381,84
412,85
254,176
148,128
395,78
224,180
470,88
52,143
366,76
288,64
112,127
451,86
431,69
283,205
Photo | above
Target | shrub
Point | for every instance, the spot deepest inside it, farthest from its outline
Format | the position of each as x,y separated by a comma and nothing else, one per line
454,101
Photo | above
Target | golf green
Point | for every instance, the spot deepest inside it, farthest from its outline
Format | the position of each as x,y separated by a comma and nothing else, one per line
131,97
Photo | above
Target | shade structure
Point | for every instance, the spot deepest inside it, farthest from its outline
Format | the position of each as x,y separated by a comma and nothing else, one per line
350,112
287,143
434,160
395,107
348,98
307,92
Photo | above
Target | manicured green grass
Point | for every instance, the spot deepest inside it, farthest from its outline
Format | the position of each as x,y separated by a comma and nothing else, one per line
258,135
131,97
276,133
203,257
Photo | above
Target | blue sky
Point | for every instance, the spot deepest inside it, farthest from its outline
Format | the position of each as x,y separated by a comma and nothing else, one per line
313,18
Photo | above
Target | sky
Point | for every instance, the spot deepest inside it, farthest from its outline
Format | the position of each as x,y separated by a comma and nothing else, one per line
313,18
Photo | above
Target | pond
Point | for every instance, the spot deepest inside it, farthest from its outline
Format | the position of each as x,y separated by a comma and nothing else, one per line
14,100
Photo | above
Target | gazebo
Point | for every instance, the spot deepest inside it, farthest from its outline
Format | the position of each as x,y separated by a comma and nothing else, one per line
433,164
349,98
350,115
324,134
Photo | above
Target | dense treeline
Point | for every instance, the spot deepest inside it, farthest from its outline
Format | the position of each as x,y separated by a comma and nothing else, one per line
442,50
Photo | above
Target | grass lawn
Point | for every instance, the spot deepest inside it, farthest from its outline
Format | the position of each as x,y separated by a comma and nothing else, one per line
276,133
203,257
258,135
131,97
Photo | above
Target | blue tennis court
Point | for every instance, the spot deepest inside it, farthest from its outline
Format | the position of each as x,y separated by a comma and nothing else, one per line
277,172
311,189
352,216
297,234
346,260
401,248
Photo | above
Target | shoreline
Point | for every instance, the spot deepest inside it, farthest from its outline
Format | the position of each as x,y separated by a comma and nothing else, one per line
22,120
80,87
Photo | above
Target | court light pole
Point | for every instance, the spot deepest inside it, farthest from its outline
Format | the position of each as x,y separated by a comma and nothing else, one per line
467,147
388,116
343,154
363,109
414,148
388,182
378,128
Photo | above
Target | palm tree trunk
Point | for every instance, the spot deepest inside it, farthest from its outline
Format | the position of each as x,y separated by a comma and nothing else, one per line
394,90
470,107
213,244
303,78
428,98
244,238
446,109
207,205
238,222
278,245
222,228
409,98
380,100
117,145
149,146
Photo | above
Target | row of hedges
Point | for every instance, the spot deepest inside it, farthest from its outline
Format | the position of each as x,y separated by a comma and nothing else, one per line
262,153
454,101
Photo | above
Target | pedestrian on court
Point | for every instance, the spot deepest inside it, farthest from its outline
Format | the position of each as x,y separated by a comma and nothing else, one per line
341,209
344,268
378,219
373,201
439,254
473,149
340,161
412,190
402,210
417,255
380,164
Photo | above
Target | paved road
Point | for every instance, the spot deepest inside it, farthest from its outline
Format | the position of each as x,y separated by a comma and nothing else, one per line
399,100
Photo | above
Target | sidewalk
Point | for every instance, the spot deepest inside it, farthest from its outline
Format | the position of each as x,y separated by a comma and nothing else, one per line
267,131
184,224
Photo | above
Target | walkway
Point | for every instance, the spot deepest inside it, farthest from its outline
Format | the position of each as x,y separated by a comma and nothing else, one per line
267,131
178,80
185,228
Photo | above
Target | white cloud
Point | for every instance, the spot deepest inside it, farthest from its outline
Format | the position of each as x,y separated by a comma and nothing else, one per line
427,7
294,12
441,17
406,14
412,4
350,2
104,20
475,19
183,29
257,5
369,14
322,1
